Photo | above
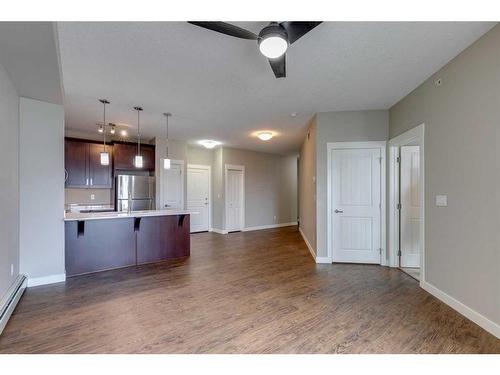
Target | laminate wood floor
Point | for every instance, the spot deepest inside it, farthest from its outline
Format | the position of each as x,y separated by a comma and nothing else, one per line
251,292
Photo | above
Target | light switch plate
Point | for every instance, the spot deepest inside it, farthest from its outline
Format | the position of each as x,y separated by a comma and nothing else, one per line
92,197
441,200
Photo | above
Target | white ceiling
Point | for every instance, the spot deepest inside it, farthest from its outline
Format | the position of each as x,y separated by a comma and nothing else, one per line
28,51
222,88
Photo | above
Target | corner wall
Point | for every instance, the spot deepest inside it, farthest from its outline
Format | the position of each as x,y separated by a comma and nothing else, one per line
41,182
9,183
307,186
462,160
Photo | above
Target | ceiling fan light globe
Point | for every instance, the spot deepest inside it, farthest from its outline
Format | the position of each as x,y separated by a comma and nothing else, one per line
273,46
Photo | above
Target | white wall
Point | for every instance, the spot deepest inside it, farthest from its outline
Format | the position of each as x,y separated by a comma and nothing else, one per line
9,182
41,191
349,126
462,160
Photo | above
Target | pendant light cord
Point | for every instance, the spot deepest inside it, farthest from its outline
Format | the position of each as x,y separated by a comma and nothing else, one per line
167,134
104,127
138,134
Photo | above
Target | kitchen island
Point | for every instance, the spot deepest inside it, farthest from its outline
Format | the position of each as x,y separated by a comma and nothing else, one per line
107,240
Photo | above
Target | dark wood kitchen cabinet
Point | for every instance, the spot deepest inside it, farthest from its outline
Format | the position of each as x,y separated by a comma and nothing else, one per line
75,164
100,175
124,154
83,165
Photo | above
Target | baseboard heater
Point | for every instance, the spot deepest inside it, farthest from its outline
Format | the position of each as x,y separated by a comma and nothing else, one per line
12,297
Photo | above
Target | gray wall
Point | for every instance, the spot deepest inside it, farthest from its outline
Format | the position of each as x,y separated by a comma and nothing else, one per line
270,186
199,155
307,184
350,126
9,182
218,189
462,160
41,184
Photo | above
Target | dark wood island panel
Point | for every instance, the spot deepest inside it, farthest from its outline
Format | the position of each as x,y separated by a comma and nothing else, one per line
98,245
162,237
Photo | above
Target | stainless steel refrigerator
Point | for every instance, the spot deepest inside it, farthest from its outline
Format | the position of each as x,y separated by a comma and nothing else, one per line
135,193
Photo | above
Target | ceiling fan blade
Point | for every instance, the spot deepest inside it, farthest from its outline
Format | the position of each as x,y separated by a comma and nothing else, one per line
279,66
227,29
297,29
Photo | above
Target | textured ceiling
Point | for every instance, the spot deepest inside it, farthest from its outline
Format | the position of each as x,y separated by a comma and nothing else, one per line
222,88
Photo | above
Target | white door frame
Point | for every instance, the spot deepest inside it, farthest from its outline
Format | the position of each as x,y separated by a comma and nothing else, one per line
329,195
415,136
241,168
162,175
209,168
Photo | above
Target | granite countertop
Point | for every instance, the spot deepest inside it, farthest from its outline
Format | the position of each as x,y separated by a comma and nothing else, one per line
74,216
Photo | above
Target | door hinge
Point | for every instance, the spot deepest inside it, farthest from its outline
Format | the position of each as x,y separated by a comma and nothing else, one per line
380,250
398,206
398,159
399,253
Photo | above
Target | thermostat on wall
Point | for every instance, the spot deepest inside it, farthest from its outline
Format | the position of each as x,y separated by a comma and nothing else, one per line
441,200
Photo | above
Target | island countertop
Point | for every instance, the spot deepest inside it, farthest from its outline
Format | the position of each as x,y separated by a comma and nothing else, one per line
77,216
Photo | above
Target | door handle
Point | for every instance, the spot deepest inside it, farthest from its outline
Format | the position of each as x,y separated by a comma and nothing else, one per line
338,211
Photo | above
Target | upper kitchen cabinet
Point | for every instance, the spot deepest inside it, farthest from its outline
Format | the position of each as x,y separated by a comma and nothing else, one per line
83,165
100,175
75,164
124,154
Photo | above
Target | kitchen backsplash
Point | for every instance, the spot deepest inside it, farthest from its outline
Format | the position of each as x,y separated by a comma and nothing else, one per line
84,196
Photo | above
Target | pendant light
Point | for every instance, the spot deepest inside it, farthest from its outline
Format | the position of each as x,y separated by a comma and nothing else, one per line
104,155
166,161
138,162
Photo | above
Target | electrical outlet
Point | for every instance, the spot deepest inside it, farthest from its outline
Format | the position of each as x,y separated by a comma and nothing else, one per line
11,270
92,197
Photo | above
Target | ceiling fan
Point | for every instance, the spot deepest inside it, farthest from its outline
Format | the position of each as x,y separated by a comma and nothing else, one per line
273,40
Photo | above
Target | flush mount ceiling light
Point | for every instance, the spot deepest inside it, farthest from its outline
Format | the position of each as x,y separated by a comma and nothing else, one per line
123,133
138,162
104,155
166,161
265,136
208,143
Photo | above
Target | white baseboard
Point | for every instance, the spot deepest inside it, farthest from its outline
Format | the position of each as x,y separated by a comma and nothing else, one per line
323,260
10,300
36,281
466,311
270,226
220,231
311,250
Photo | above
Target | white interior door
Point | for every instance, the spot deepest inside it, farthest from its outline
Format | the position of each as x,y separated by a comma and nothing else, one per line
356,205
234,200
198,197
172,187
410,206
